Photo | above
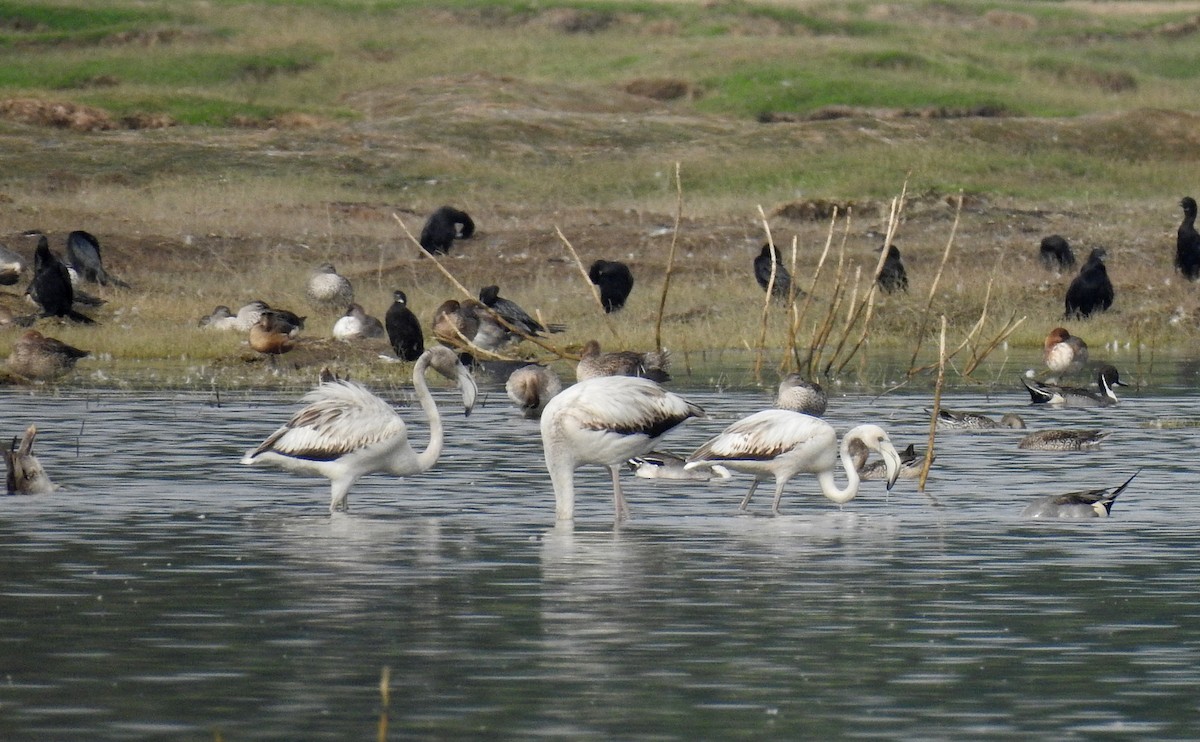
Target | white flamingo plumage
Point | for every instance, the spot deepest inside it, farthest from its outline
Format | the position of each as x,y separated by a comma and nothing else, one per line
606,420
345,432
782,444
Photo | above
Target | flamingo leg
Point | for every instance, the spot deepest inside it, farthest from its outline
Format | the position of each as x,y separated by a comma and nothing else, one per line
746,499
337,500
620,507
778,495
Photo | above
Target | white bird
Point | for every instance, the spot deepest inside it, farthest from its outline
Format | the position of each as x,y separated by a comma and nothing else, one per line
1095,503
345,432
531,387
356,324
606,420
782,444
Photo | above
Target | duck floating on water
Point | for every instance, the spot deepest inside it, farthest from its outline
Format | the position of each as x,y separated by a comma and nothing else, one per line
663,465
1107,379
956,420
1062,440
24,473
1095,503
801,395
593,363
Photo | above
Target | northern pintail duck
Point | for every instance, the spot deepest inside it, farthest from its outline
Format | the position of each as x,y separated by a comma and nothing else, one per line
1063,352
328,290
911,462
663,465
956,420
24,474
1091,291
1095,503
1062,440
356,324
800,395
1187,242
615,281
37,357
1107,380
651,365
530,387
404,329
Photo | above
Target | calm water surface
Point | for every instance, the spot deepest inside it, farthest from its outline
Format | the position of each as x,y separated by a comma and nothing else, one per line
169,593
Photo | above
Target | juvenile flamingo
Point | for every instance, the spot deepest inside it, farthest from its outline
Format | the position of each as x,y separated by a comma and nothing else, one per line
346,432
606,420
782,444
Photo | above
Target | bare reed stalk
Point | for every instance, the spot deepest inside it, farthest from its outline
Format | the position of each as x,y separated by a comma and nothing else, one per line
385,702
975,330
937,406
760,348
505,323
612,327
662,302
798,316
1009,329
923,325
816,348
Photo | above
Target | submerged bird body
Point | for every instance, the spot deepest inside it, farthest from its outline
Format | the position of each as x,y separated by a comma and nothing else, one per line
1095,503
892,275
1063,352
782,444
24,474
615,281
911,462
1106,380
443,227
663,465
404,329
606,421
593,363
956,420
766,260
37,357
356,324
345,432
1091,291
1187,242
531,387
800,395
329,290
1056,253
1062,440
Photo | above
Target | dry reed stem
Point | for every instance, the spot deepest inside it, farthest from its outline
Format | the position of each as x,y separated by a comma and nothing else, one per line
937,405
612,327
816,349
933,287
662,302
975,329
385,702
503,322
1009,329
798,315
760,348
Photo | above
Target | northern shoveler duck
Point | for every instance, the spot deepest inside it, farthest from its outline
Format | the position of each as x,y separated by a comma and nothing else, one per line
800,395
956,420
24,474
531,387
1095,503
1107,380
1062,440
1063,352
782,444
615,281
39,358
663,465
651,365
328,290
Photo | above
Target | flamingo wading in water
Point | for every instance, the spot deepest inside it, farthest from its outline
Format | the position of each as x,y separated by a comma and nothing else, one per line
782,444
345,432
606,420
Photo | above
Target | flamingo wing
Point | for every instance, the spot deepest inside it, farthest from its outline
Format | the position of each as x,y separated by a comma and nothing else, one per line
764,436
340,417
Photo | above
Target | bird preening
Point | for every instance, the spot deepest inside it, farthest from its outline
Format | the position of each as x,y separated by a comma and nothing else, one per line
614,280
443,227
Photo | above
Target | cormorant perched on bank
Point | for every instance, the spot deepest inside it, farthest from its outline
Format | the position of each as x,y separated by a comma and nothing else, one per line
404,329
51,286
512,313
443,227
615,281
893,276
762,272
1056,253
1187,242
1091,291
83,257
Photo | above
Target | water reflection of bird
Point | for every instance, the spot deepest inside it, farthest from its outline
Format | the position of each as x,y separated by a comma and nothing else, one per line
615,281
1063,352
593,363
663,465
1095,503
782,444
404,329
1062,440
24,474
1091,291
800,395
1187,242
607,421
37,357
530,387
1107,379
345,432
1056,254
957,420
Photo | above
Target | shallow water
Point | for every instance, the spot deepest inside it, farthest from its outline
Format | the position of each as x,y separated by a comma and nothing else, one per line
168,592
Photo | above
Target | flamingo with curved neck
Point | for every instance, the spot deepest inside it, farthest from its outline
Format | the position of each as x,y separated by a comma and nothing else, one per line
782,444
345,432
